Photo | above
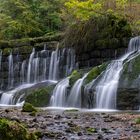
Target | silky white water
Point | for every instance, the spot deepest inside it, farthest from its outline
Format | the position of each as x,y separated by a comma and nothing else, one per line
30,66
10,71
38,67
106,89
74,99
7,97
59,96
53,69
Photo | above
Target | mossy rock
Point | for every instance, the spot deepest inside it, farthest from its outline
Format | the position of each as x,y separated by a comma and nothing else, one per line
94,72
137,120
130,74
11,130
74,77
27,107
40,97
91,130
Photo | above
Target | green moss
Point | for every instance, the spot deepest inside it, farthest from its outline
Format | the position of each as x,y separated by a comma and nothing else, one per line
7,51
10,130
74,77
27,107
71,110
33,113
131,71
40,97
95,72
137,121
91,130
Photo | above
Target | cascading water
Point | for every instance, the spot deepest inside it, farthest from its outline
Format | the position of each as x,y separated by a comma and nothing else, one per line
74,99
70,61
54,64
30,66
22,73
11,71
59,96
107,87
7,97
32,71
66,57
36,69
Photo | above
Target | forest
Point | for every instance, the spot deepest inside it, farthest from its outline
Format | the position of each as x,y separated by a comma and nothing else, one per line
34,18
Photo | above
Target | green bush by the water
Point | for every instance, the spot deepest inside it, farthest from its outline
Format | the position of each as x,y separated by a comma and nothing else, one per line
11,130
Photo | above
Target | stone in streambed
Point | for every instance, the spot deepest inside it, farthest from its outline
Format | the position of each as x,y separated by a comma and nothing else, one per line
11,130
27,107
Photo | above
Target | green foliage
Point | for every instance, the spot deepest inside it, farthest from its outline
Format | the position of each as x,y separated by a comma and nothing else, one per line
82,10
121,3
29,18
27,107
40,97
100,32
10,130
136,27
91,130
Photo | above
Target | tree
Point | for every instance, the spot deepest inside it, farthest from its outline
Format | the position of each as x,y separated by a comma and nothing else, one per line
82,10
29,18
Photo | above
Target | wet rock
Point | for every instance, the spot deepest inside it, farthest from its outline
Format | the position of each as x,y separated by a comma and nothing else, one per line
15,118
79,133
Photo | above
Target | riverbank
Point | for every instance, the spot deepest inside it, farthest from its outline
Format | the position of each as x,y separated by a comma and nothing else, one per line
77,125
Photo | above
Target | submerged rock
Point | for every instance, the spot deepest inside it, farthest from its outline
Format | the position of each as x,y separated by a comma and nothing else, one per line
40,97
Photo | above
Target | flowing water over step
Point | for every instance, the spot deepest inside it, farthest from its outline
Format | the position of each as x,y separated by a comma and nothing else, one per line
59,96
106,89
57,64
74,99
40,66
105,86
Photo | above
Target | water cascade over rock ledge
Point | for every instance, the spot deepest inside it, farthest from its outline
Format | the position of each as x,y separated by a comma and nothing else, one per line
104,87
39,68
102,92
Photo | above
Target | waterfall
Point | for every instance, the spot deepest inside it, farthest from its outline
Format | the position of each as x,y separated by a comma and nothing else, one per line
30,66
74,99
67,57
54,64
41,66
10,71
70,65
7,98
36,69
59,96
22,73
107,87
